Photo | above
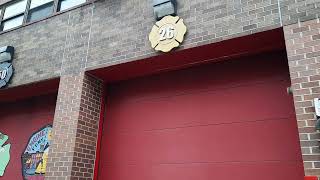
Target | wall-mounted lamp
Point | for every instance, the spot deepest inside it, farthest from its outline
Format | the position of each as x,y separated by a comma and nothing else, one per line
163,8
289,90
6,53
317,109
6,69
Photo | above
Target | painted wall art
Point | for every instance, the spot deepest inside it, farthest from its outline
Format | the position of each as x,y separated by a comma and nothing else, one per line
4,153
34,158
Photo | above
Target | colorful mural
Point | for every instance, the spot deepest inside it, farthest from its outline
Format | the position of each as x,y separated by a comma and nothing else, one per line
4,153
34,159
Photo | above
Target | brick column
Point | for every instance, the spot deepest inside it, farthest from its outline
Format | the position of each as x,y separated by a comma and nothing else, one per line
303,48
75,128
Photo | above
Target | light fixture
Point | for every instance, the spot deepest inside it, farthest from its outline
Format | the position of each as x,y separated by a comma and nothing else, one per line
6,69
163,8
317,109
6,53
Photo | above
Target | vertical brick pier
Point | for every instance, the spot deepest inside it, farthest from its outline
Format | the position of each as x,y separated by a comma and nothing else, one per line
303,48
75,128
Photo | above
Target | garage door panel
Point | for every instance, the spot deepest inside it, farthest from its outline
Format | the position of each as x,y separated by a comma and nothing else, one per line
218,121
24,124
222,171
264,140
19,120
204,77
130,172
176,87
238,104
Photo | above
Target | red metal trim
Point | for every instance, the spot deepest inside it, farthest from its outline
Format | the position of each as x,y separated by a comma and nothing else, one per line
102,110
264,42
17,93
310,178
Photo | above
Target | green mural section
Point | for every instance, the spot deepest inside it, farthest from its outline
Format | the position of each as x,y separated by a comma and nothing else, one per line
4,153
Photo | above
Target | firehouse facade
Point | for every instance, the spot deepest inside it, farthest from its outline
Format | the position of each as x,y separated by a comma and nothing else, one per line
159,89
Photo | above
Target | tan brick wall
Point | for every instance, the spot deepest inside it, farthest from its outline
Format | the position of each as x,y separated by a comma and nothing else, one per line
303,48
75,128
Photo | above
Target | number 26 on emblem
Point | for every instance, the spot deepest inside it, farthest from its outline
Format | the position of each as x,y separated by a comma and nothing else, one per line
166,33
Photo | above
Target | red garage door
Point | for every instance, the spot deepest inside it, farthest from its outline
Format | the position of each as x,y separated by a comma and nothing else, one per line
19,120
228,120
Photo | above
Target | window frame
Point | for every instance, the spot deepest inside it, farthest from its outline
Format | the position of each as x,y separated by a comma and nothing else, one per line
60,2
3,8
27,10
30,11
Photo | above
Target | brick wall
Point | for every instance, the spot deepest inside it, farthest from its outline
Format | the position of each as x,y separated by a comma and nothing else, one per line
303,48
294,11
75,128
38,50
112,32
120,29
105,33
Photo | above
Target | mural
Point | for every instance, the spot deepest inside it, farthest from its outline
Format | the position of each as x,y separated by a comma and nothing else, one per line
4,153
34,159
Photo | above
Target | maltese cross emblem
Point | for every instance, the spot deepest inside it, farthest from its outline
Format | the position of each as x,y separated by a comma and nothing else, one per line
167,33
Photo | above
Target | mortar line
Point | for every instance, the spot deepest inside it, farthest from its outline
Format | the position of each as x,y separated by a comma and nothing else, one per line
89,38
280,14
65,44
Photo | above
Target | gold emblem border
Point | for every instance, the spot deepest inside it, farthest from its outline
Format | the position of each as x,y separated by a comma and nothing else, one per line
180,28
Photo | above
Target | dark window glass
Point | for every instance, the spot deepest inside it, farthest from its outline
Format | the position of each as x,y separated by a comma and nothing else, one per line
36,3
40,12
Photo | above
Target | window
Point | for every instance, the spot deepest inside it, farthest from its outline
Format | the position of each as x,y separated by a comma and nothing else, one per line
13,15
66,4
16,13
12,23
15,9
40,9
